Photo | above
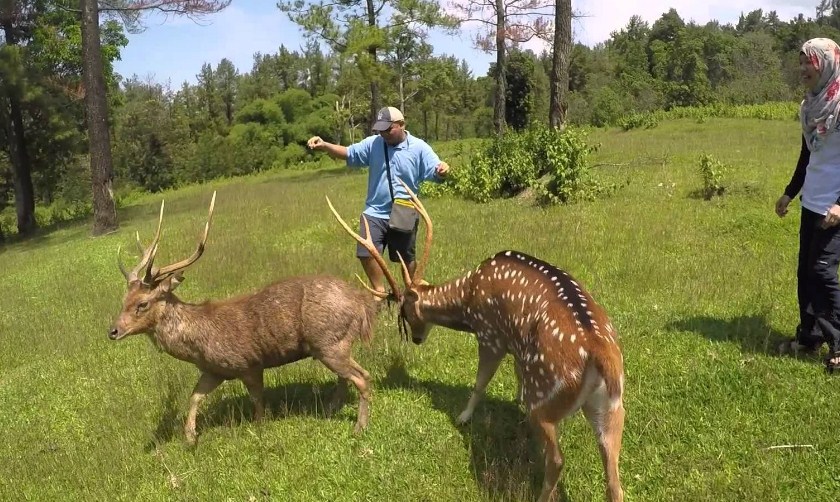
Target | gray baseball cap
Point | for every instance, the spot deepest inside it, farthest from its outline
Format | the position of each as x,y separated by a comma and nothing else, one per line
386,117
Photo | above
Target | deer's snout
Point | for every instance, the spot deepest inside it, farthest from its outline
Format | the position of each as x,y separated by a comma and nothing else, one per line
113,333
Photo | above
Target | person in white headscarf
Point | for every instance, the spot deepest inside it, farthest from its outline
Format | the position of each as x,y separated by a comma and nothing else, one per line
817,175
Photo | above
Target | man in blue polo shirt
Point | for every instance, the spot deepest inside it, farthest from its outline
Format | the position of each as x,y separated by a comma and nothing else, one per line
391,153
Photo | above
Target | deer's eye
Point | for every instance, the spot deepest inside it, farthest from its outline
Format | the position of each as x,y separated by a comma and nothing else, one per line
142,306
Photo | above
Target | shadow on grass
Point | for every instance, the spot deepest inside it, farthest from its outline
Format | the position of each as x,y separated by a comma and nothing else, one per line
752,332
506,460
292,399
168,425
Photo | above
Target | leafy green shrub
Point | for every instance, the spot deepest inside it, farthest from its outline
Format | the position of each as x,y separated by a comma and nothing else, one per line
553,163
565,157
293,157
8,221
712,171
607,106
638,121
784,110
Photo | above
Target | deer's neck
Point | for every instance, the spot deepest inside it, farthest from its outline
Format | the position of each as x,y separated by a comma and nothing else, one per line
180,327
449,304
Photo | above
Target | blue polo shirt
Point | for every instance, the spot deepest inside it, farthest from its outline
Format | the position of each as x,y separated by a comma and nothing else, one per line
413,161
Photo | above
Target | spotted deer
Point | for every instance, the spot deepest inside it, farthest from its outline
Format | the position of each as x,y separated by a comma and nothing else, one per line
565,348
238,338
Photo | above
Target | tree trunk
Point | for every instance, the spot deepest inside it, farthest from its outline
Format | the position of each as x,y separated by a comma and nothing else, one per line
560,63
402,91
99,136
426,123
375,98
499,102
19,155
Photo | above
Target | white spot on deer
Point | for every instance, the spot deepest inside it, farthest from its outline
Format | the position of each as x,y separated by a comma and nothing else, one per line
556,330
507,253
572,339
582,352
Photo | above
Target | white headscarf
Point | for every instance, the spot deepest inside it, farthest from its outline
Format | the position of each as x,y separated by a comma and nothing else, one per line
820,110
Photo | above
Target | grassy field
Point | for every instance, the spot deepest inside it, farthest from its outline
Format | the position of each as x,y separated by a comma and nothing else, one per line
700,292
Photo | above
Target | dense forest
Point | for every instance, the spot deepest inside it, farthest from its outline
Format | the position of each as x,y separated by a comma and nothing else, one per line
234,122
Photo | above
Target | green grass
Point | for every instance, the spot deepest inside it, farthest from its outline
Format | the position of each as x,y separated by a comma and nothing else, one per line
699,290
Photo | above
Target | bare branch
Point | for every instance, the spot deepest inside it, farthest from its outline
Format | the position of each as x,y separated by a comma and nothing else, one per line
188,7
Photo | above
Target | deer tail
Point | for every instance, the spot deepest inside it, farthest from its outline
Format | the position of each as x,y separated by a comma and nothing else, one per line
612,371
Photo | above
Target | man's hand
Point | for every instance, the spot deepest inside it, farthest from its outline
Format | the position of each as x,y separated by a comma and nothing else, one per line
442,169
782,205
315,143
832,217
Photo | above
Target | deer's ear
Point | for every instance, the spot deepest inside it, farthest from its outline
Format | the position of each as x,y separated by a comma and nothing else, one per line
171,283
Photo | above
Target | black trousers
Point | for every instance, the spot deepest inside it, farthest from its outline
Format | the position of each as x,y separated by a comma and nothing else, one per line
818,290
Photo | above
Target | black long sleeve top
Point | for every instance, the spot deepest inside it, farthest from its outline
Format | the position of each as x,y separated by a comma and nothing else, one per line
798,178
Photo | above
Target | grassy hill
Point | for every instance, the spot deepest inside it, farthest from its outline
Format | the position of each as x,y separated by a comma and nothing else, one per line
700,292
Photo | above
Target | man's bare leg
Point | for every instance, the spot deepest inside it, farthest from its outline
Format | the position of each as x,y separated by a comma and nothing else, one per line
374,273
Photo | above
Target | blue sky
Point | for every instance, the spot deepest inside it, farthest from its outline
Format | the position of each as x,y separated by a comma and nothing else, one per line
174,49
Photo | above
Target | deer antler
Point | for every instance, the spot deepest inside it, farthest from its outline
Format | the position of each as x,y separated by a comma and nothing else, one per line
421,265
169,270
152,275
368,244
148,254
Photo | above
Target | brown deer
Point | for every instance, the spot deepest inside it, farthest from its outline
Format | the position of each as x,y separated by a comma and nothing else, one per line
238,338
565,348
